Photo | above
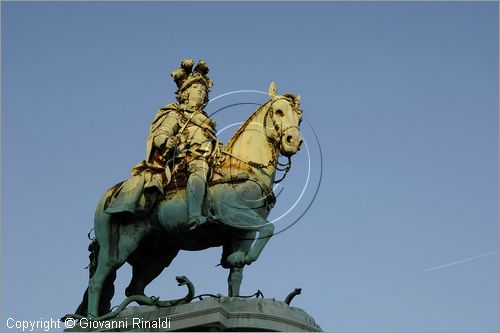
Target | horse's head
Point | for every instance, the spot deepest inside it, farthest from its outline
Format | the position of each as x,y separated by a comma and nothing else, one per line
283,121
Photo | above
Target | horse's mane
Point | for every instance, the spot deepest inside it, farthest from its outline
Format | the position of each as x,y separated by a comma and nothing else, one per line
240,130
243,126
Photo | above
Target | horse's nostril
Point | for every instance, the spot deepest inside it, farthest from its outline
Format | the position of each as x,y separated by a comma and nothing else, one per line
289,139
300,142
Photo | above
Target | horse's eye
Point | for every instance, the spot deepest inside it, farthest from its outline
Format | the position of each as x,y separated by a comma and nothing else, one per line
279,113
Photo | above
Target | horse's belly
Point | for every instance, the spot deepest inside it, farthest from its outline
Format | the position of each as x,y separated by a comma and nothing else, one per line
240,204
173,217
172,213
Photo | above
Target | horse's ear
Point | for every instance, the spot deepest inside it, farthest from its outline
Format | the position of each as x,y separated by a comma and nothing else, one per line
298,98
272,89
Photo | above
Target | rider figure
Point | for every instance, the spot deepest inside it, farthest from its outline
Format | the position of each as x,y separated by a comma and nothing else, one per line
180,132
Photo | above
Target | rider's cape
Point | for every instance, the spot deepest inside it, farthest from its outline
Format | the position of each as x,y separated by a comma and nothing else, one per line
148,174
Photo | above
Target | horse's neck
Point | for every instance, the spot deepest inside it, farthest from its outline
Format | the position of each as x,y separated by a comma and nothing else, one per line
251,147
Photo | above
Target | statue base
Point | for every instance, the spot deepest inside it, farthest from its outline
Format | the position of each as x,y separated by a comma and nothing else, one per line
211,314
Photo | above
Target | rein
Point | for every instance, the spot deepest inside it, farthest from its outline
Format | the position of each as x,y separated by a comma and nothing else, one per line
286,168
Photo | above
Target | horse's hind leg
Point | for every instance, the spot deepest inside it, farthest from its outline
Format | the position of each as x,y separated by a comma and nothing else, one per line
96,283
118,237
148,261
108,290
108,287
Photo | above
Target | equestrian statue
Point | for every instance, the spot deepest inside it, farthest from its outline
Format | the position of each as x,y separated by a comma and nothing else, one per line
191,192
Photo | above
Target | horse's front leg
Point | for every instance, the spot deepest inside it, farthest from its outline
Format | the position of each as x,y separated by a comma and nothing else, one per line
247,254
265,233
233,257
234,281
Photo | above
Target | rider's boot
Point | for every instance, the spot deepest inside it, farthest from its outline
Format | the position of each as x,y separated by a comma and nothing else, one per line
196,188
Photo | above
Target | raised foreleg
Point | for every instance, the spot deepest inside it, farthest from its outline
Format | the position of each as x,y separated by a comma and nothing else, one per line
265,233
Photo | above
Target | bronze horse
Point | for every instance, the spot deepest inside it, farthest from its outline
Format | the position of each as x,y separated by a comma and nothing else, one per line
239,199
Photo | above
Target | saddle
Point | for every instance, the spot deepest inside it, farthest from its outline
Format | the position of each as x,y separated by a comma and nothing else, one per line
151,182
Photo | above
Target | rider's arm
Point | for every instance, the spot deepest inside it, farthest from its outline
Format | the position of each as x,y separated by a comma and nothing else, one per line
167,129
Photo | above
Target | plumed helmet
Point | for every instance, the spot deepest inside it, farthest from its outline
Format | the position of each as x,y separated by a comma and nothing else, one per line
185,76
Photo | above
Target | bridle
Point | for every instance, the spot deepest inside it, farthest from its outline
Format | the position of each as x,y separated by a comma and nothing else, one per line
281,131
274,143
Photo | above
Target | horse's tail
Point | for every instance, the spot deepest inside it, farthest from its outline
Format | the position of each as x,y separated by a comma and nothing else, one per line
94,254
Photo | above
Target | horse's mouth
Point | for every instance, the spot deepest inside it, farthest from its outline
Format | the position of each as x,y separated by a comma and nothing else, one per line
291,142
288,153
288,150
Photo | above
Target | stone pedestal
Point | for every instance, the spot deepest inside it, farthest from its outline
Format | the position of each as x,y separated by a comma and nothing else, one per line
209,315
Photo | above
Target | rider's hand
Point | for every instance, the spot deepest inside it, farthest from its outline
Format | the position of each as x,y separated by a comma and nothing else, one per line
171,143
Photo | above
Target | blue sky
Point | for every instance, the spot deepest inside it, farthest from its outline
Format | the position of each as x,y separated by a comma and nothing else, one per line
403,98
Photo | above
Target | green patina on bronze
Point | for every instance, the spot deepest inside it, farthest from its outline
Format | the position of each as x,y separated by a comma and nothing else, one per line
166,205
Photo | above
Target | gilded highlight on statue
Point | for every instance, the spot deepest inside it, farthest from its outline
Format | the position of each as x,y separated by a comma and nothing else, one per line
191,192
